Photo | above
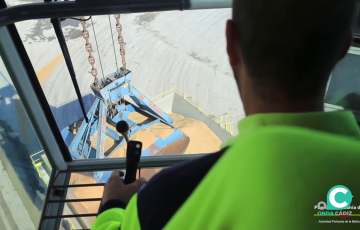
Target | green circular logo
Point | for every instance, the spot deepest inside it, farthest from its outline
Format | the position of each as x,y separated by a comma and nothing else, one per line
339,197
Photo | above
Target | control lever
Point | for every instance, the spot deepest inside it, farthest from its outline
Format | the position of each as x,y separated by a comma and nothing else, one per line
133,153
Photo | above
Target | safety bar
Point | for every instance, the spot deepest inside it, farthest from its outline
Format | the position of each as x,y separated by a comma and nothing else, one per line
80,8
86,165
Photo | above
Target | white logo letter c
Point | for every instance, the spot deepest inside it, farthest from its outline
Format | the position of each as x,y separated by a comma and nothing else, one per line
332,197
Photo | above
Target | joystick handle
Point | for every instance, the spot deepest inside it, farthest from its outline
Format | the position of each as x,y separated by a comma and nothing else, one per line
133,152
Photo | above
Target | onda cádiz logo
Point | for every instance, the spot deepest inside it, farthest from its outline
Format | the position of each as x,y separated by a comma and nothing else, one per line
339,198
343,195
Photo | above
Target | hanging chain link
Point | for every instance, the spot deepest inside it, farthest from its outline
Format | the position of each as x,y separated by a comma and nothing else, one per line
121,41
88,48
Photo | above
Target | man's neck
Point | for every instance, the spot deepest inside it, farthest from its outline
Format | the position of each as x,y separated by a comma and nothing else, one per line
283,107
274,101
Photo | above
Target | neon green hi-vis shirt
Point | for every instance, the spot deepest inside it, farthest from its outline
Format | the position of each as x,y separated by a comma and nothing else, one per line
271,176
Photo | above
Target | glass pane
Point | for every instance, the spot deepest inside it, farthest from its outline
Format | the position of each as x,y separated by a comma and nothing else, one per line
23,164
344,86
183,80
357,24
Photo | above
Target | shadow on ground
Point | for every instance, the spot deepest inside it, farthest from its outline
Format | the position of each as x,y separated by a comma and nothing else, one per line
70,112
18,141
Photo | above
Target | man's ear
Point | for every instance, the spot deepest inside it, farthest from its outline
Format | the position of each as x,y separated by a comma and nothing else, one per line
232,45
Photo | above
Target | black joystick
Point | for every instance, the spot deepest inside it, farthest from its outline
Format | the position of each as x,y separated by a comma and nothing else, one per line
133,153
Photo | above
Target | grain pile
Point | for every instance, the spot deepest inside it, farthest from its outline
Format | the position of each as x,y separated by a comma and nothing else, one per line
202,140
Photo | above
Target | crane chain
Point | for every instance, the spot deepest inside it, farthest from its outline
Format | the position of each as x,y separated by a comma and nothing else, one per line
121,41
88,49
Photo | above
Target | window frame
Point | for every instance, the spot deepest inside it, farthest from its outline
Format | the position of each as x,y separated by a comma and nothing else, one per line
331,107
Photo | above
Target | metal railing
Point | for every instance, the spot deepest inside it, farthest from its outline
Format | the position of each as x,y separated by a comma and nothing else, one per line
38,162
84,166
58,191
224,121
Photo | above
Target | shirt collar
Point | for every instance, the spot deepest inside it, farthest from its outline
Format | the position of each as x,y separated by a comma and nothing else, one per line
340,123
